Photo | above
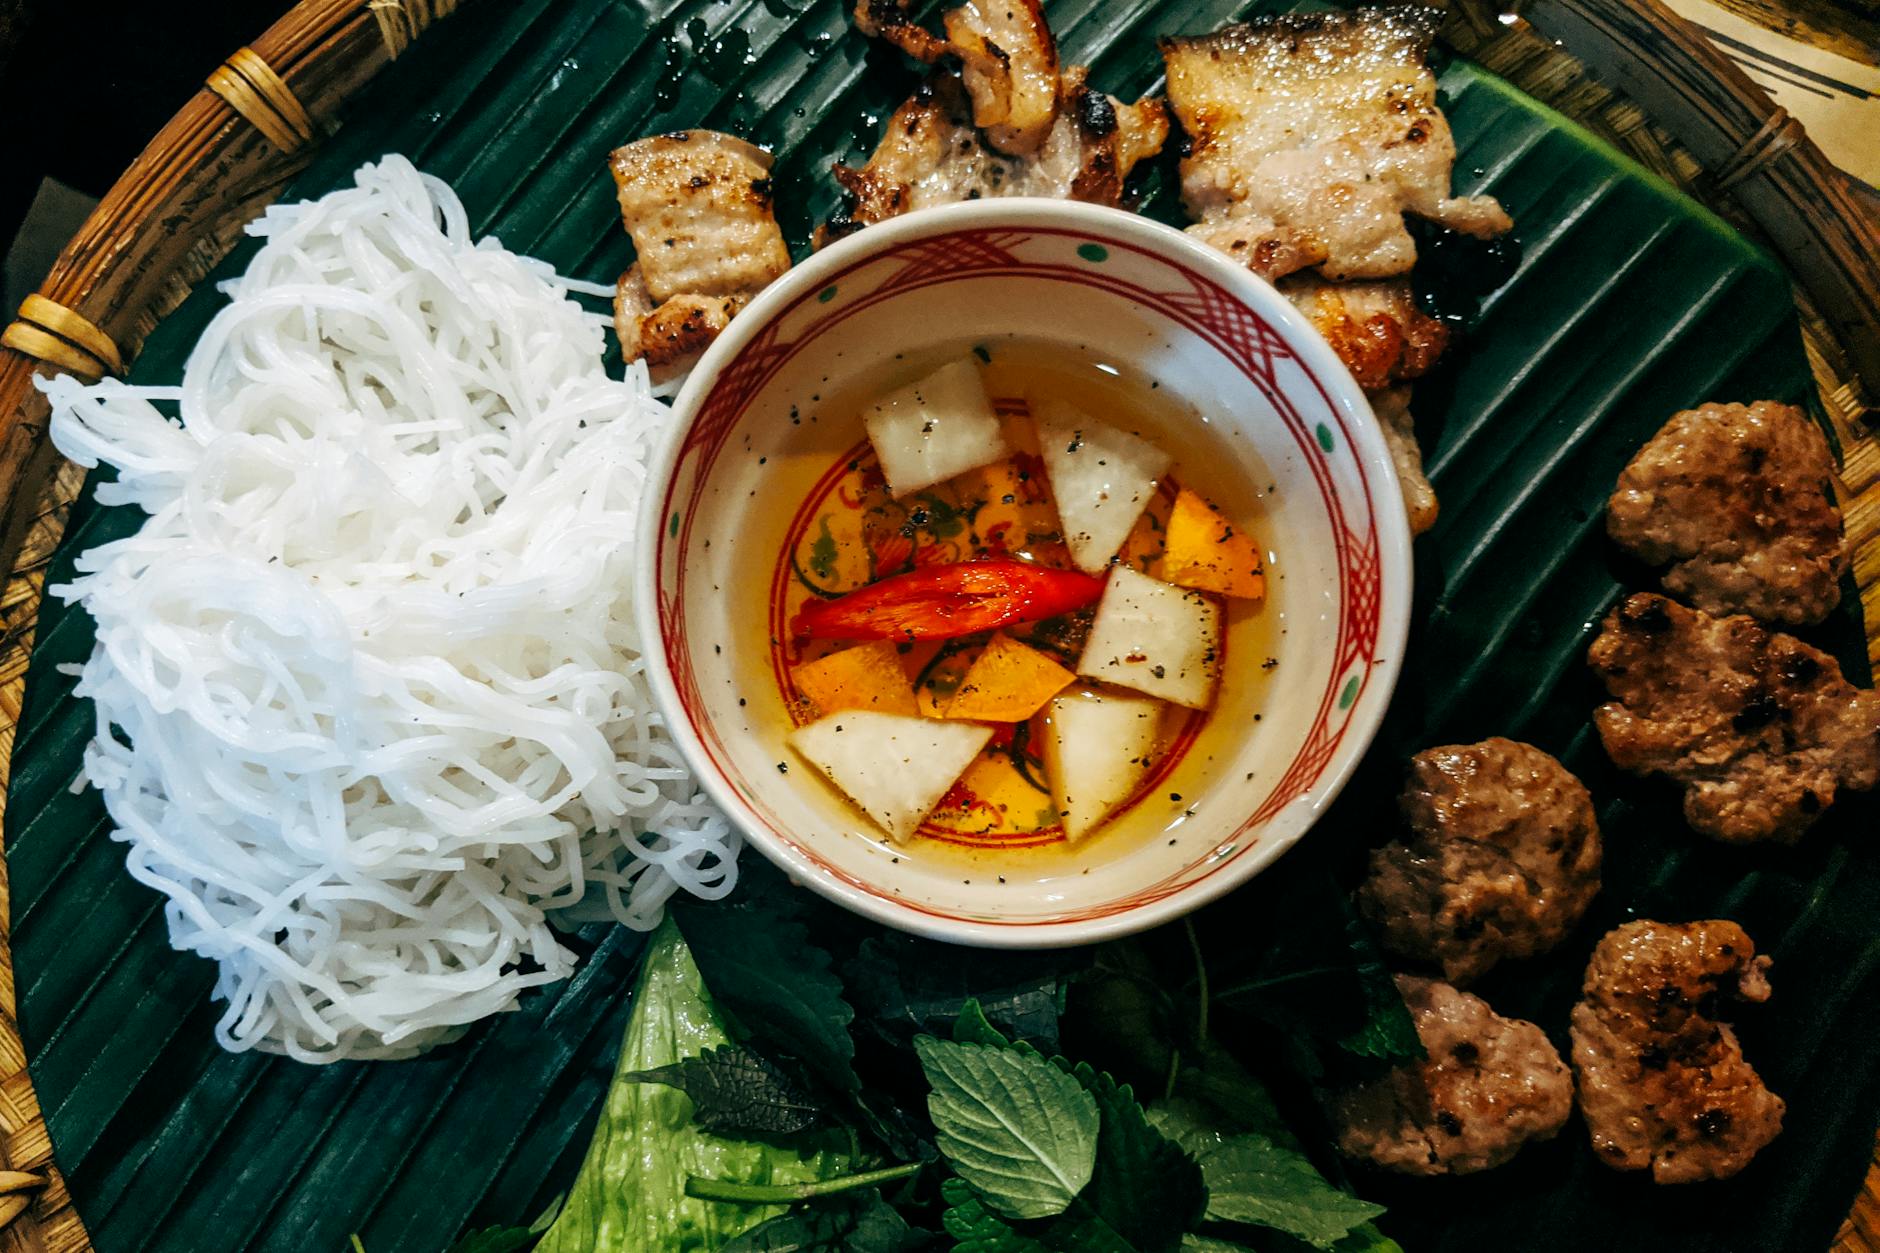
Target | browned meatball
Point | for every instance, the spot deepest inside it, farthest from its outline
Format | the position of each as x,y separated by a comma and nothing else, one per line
1760,729
1738,499
1663,1085
1490,1085
1503,861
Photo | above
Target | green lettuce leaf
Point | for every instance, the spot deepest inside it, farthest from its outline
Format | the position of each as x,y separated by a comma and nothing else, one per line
1014,1126
630,1194
495,1240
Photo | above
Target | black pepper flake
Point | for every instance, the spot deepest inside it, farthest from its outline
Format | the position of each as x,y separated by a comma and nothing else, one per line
783,767
1174,796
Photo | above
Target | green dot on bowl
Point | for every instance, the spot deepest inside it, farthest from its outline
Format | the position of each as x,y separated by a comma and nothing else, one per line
1351,690
827,294
1093,252
1325,437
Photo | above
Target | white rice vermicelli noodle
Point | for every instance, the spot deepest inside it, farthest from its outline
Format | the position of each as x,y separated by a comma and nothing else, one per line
368,687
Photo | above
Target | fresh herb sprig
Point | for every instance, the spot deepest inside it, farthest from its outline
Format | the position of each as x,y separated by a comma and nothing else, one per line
857,1094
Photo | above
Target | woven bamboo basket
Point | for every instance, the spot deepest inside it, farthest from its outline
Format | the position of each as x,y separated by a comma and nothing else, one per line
1628,69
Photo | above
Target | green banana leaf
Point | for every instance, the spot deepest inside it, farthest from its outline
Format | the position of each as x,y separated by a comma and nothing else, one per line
1629,302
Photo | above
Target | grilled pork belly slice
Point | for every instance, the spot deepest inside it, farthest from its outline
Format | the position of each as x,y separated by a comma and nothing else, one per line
1376,328
698,206
1392,406
932,154
1008,62
1310,135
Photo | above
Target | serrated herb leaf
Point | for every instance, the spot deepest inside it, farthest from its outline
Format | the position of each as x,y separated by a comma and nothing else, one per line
1253,1180
852,1223
1017,1128
1192,1243
1321,979
972,1027
775,985
977,1228
737,1091
904,987
980,1229
1145,1186
1388,1032
1367,1239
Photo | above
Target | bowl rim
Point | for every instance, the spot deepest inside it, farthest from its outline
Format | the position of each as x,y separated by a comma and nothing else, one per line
1341,390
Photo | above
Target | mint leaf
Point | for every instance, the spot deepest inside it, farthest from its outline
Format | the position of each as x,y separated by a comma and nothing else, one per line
1388,1033
1014,1126
1321,980
971,1027
775,985
1252,1180
977,1228
1192,1243
904,987
853,1223
1145,1186
736,1090
879,1228
1367,1239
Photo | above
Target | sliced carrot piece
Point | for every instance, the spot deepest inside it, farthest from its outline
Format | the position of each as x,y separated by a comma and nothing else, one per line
868,676
1207,553
1009,682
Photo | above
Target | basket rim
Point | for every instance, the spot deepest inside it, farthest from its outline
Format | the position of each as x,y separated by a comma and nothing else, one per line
1757,156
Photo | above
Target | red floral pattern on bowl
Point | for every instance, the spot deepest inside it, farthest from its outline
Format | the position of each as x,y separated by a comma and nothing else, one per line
775,399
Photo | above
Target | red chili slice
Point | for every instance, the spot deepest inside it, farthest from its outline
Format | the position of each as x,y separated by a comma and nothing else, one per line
942,602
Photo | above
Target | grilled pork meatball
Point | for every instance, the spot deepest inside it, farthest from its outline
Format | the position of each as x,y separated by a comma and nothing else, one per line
1503,861
1490,1085
1738,499
1662,1084
1760,729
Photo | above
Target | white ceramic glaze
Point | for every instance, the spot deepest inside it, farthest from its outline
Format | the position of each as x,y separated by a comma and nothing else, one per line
772,403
